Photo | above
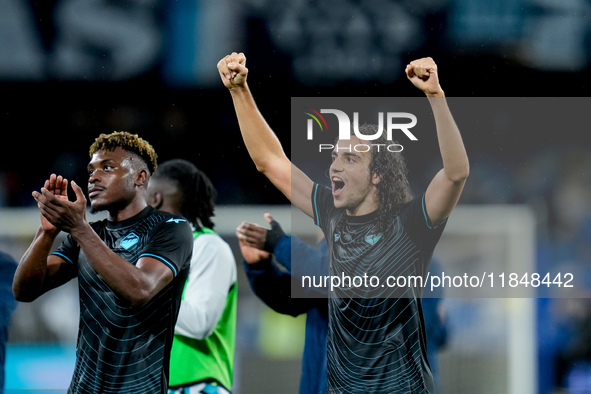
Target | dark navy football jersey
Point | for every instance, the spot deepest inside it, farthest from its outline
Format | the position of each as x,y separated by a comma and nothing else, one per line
120,348
376,339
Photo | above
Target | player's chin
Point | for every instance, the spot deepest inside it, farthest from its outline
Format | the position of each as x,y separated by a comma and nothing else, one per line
96,206
338,203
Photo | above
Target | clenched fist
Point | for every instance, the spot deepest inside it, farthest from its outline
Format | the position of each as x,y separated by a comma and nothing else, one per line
423,74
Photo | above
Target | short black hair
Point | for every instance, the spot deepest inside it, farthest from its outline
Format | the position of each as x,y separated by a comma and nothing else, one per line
198,193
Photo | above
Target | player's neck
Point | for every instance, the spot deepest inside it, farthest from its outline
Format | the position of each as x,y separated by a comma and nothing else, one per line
368,204
130,210
366,207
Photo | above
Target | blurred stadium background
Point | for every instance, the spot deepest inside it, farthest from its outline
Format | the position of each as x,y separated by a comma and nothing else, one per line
72,69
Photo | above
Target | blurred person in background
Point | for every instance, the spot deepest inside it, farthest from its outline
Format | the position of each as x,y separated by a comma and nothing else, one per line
202,355
131,268
7,306
436,325
272,283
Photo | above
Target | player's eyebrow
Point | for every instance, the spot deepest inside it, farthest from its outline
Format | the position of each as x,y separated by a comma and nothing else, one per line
334,153
93,164
346,155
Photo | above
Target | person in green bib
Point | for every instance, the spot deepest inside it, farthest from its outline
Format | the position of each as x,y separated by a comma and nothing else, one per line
202,355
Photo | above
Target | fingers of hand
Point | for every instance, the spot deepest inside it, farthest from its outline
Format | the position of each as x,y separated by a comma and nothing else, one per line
61,186
420,72
254,238
42,196
244,235
48,196
49,203
230,60
250,240
409,70
237,61
240,238
422,68
243,228
253,229
240,234
232,70
47,218
57,185
48,210
237,58
57,205
236,69
241,58
236,64
223,69
50,183
258,235
246,246
79,193
268,217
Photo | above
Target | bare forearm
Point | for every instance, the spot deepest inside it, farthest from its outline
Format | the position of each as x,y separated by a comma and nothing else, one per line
31,273
453,153
125,279
261,142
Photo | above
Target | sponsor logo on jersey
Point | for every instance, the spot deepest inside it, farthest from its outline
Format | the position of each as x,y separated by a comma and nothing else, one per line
177,221
372,239
129,241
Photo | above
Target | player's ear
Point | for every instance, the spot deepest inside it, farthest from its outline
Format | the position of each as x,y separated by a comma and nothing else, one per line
141,177
155,200
375,179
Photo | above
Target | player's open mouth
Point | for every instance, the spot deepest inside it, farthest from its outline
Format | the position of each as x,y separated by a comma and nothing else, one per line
337,185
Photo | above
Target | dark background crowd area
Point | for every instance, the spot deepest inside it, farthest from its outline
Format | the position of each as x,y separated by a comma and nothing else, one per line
48,123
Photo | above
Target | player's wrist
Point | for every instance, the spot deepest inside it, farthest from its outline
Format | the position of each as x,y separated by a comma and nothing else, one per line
273,236
258,262
50,233
80,231
238,90
438,93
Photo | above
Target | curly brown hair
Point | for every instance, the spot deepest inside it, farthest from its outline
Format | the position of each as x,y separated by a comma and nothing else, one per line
129,142
393,189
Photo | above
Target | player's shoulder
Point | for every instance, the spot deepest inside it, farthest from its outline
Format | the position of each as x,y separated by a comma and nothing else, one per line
321,190
323,204
416,202
411,211
169,223
167,217
149,214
